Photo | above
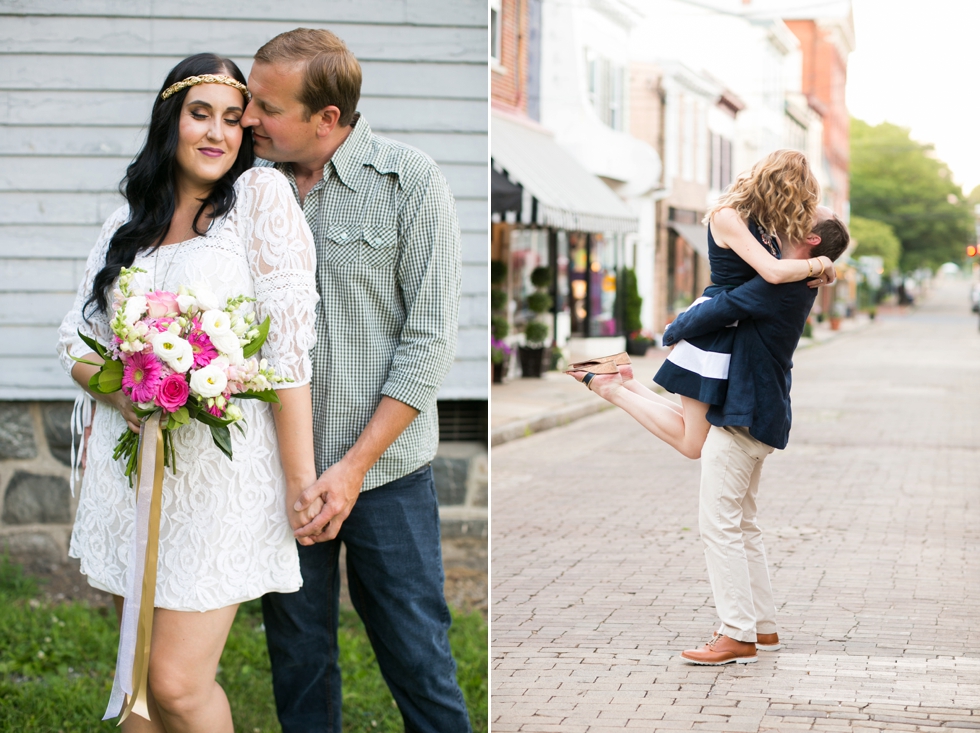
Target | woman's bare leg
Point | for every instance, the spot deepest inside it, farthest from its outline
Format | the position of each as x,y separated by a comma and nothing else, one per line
683,429
134,723
184,658
183,696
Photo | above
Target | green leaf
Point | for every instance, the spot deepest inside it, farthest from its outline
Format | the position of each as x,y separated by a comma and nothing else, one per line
144,412
181,416
253,346
202,415
93,344
93,383
83,361
110,376
268,395
222,438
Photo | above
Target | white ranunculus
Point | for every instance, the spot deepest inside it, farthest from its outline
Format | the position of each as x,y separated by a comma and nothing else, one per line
209,381
205,298
135,307
176,352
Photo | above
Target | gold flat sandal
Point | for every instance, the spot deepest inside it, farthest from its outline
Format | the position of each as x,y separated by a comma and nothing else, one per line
602,364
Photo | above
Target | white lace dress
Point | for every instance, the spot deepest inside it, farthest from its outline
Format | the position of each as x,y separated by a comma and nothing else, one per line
224,536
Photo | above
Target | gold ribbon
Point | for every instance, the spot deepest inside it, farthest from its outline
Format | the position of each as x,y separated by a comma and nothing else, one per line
137,701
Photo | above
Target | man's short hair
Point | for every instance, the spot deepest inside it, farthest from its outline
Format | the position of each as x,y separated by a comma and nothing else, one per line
834,238
332,75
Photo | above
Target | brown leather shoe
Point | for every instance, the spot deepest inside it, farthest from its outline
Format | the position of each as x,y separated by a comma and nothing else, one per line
722,650
767,642
763,642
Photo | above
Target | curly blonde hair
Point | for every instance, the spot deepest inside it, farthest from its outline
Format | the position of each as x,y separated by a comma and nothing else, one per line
780,193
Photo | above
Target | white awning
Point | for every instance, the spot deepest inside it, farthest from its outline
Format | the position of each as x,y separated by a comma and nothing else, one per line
696,235
568,196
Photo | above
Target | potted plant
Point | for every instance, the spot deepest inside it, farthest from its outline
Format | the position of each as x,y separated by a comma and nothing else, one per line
637,342
499,357
837,312
532,354
500,351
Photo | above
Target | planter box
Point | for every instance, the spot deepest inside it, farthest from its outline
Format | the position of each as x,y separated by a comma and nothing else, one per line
532,360
500,371
638,347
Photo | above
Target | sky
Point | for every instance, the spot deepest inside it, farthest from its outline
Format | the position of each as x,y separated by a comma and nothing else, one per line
916,65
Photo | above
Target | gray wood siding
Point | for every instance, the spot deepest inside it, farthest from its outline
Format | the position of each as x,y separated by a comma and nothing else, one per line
77,79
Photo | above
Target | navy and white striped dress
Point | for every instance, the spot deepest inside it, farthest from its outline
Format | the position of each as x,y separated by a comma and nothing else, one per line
698,367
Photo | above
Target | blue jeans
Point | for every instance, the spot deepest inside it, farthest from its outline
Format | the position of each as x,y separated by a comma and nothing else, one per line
395,576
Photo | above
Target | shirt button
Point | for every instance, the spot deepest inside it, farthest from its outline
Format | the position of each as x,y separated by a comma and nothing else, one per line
343,235
379,241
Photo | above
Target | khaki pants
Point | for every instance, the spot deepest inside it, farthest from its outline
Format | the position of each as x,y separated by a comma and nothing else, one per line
731,462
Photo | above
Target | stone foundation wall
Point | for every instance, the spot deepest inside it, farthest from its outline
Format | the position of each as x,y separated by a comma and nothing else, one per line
37,509
36,506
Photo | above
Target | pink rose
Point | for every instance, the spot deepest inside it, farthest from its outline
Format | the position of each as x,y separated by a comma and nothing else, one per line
160,303
173,393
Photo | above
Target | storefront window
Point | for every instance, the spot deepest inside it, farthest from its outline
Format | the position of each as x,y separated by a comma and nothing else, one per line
578,263
605,261
528,249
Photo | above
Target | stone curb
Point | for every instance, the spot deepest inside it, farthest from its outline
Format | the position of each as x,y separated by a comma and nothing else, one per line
546,421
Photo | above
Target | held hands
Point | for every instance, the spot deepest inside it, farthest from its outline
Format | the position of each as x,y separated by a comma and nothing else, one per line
328,502
301,518
827,277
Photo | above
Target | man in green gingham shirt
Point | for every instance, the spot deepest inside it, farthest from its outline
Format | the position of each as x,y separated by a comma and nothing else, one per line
388,273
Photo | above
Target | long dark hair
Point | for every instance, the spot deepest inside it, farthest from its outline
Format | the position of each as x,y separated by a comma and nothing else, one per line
151,179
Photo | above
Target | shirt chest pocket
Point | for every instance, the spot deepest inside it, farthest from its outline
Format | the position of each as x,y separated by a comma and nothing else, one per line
369,245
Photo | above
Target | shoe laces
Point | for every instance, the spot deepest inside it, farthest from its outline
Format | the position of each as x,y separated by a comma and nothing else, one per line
714,640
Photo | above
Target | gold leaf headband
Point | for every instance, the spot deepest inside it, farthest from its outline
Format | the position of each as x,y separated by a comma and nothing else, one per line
205,79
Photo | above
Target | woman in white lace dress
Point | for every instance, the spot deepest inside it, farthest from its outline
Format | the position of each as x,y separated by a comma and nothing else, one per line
199,215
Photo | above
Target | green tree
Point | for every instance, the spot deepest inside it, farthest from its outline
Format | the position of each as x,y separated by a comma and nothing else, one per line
900,182
876,238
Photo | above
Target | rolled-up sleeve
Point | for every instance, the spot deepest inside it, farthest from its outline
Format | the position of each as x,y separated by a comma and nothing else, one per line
429,278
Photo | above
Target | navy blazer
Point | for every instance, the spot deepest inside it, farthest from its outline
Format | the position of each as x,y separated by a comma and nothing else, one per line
771,320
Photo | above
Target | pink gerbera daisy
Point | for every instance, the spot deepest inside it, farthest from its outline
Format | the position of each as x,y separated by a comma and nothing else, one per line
142,375
204,350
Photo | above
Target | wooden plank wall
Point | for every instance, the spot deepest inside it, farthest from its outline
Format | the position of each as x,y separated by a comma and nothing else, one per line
77,79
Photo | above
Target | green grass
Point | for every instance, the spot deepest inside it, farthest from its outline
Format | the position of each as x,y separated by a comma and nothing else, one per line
56,662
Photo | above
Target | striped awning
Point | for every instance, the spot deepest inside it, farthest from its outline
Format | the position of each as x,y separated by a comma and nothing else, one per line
567,195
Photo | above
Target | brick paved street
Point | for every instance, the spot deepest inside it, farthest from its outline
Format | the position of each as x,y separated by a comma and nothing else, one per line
871,518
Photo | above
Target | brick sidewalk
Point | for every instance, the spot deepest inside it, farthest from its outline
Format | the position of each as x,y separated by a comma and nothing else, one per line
872,527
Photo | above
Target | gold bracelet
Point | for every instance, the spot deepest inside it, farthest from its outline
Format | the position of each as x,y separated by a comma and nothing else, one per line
809,263
821,267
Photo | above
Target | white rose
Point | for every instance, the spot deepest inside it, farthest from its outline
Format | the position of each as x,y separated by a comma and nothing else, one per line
205,298
176,352
134,309
209,381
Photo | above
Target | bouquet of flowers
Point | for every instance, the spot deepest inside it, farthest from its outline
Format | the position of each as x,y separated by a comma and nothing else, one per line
185,355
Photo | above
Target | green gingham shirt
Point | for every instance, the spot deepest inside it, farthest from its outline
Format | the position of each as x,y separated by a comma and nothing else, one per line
388,271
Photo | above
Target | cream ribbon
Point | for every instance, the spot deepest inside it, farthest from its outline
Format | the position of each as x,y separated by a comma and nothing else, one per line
133,657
